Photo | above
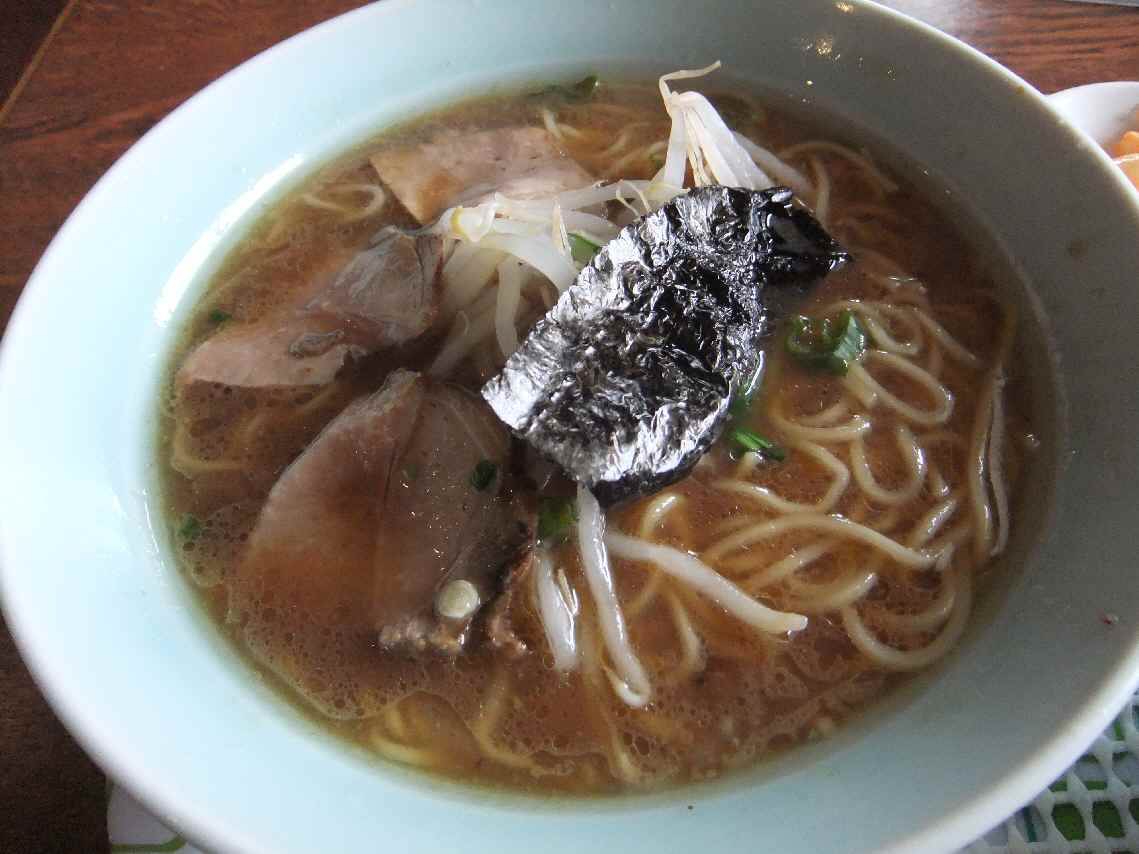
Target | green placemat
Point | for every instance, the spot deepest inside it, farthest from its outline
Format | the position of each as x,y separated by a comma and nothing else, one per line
1093,807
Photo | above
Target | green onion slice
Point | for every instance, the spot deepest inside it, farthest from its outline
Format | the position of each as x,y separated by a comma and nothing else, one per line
189,527
483,474
555,518
582,248
749,440
826,345
579,91
745,394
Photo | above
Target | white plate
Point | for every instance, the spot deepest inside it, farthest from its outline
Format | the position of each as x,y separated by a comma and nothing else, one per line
1104,111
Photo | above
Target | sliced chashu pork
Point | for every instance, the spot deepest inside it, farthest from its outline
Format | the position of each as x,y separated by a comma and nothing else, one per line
461,167
388,294
377,527
382,297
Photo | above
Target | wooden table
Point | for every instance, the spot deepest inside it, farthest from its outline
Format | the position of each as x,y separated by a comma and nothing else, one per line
107,70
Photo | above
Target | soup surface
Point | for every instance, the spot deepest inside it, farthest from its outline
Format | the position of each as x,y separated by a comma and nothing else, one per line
867,497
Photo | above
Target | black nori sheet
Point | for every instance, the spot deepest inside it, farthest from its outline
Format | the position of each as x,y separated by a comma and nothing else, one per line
626,381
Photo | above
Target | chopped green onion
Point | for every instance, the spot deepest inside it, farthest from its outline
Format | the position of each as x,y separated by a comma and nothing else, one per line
749,440
579,91
745,394
189,527
583,88
483,475
411,472
555,518
218,316
823,345
582,248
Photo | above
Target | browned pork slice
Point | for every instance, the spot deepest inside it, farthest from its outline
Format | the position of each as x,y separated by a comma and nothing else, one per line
382,297
313,546
388,294
459,167
381,526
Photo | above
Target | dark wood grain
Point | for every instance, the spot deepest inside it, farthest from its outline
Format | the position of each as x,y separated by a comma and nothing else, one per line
25,26
1053,45
115,67
53,796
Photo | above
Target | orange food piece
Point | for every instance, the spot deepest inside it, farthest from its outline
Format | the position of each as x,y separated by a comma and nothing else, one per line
1128,147
1128,144
1131,170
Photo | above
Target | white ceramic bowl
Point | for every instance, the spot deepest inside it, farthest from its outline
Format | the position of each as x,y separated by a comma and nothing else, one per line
112,634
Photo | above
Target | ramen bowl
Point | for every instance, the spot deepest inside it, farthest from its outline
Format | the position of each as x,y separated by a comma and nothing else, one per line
111,631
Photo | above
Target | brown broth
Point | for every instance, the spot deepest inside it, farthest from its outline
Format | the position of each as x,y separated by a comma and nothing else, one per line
524,725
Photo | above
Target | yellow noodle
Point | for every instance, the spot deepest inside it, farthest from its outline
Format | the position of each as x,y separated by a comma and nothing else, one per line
943,399
492,713
979,442
646,595
833,596
915,461
826,417
923,621
403,754
621,764
770,498
895,659
191,464
935,362
377,198
551,124
951,345
933,521
945,546
937,483
657,511
664,728
996,470
858,385
619,143
883,522
394,721
655,514
840,433
789,565
877,179
637,154
690,643
731,523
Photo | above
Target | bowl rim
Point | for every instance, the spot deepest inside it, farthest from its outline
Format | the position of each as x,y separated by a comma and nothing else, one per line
993,802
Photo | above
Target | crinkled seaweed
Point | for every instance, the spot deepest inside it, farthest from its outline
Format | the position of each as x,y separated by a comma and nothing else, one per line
627,380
